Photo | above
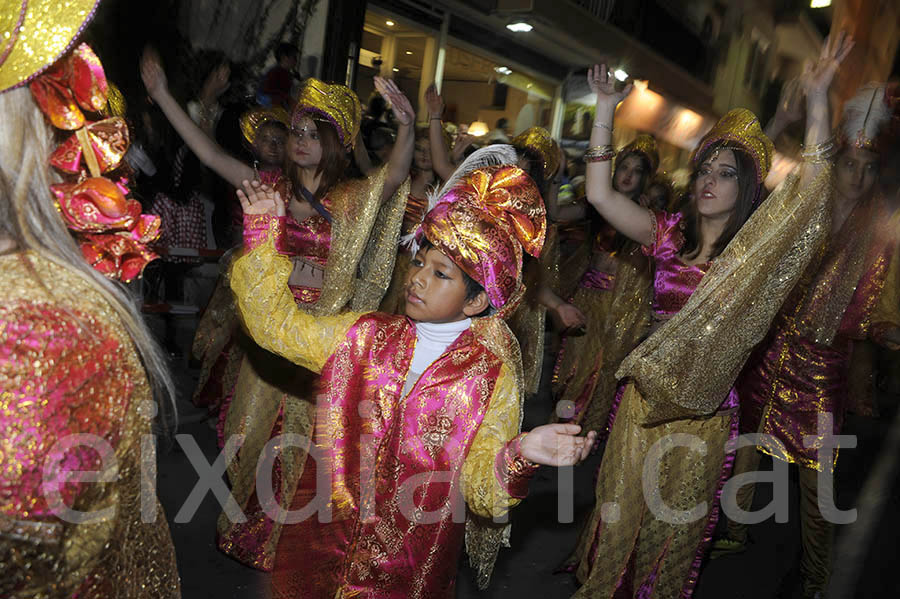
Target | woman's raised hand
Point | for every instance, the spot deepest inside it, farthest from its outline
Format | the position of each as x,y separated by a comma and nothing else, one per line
434,102
402,109
600,82
152,73
817,77
257,198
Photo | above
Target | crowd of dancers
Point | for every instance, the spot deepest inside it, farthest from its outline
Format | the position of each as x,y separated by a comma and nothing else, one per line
381,318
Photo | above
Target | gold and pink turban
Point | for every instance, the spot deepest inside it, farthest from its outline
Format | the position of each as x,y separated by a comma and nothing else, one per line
331,102
484,222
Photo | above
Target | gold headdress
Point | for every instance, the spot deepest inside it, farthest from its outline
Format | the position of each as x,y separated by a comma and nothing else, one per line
36,33
335,103
740,127
538,140
252,120
645,145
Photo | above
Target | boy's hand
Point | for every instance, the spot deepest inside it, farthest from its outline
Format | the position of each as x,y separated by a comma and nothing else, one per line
257,198
556,445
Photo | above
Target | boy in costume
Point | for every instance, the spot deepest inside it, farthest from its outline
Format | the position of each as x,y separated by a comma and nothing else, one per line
415,412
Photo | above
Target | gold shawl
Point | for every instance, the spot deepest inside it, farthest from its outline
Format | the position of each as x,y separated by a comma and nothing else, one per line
687,367
364,237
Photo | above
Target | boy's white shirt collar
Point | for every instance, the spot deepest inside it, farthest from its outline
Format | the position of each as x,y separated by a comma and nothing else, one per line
432,339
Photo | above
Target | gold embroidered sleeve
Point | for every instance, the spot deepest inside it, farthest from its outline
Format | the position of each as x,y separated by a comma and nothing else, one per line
259,281
485,493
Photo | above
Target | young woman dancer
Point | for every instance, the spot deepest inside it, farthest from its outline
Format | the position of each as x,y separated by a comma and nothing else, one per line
801,373
613,294
719,280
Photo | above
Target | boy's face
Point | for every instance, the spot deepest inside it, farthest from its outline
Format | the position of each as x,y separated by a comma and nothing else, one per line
436,290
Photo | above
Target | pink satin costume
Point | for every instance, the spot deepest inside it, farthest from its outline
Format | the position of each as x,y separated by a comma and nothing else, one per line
456,431
791,380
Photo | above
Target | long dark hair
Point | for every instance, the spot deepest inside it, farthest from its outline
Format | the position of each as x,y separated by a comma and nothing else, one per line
748,190
332,166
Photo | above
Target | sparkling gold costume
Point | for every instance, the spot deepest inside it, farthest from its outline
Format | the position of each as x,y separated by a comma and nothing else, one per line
67,367
680,381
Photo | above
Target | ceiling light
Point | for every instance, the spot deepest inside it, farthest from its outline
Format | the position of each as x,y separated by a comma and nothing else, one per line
503,70
520,27
621,75
389,23
408,53
396,70
819,3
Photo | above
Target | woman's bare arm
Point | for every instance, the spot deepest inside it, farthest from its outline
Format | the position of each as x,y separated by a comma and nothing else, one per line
624,215
208,151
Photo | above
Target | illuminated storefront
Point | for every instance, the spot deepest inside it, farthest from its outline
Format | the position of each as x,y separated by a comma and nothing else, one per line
478,87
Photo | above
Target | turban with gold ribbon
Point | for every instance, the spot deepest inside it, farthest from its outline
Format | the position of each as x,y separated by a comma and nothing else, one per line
484,222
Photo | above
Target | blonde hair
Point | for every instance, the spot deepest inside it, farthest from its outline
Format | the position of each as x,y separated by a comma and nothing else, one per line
29,216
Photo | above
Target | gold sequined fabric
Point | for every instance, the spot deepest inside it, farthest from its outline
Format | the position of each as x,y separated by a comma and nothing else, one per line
740,126
35,33
829,289
364,237
687,367
658,554
96,386
617,321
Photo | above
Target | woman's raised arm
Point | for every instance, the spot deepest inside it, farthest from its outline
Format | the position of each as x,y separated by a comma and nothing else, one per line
625,216
208,151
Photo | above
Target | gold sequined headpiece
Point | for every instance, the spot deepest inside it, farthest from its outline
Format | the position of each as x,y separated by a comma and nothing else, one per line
335,103
646,146
538,139
740,127
34,34
252,120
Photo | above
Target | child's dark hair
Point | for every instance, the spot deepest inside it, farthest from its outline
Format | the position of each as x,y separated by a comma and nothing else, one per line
285,49
473,287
